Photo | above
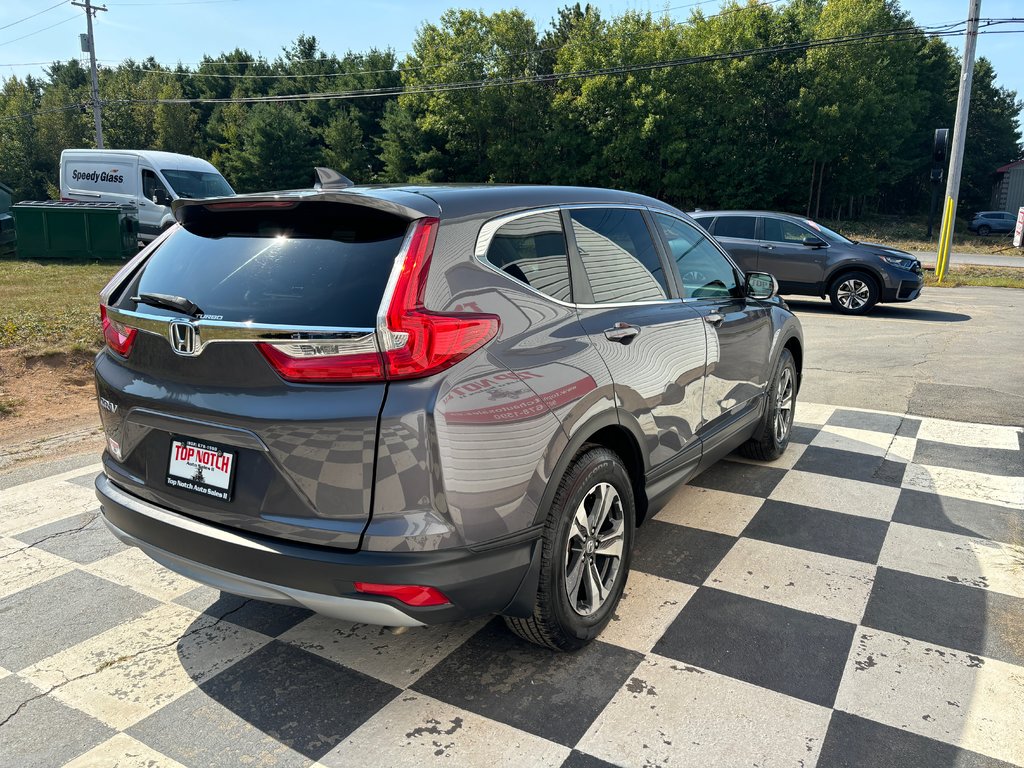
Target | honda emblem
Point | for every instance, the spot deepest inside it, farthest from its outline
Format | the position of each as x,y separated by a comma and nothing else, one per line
183,338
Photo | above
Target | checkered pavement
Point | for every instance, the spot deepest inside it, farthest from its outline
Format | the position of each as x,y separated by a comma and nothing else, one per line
859,602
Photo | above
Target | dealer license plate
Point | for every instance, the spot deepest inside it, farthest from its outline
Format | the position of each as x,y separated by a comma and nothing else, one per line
201,468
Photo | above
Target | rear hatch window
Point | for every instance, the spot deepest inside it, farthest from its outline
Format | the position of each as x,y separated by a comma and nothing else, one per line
307,264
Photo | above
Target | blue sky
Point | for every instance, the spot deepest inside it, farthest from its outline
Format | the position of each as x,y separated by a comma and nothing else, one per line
184,30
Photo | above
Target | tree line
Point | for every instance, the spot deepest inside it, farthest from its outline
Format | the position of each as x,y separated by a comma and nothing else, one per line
836,130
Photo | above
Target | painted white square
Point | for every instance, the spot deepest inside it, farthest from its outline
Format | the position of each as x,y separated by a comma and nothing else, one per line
22,566
975,435
710,510
122,751
813,414
670,713
128,672
796,578
376,651
880,444
838,494
969,701
951,557
648,606
416,730
963,484
34,504
786,461
133,568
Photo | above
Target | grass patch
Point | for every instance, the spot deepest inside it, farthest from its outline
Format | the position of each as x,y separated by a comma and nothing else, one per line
8,406
992,277
908,234
52,308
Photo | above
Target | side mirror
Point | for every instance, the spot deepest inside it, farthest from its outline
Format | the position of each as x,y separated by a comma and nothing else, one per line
813,242
761,285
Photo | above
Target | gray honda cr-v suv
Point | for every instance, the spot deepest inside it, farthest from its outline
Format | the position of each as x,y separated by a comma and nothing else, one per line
408,405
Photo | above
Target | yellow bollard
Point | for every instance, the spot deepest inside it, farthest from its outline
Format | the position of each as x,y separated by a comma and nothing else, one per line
945,235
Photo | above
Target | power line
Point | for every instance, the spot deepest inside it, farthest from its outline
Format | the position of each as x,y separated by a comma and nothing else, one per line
32,16
30,34
426,88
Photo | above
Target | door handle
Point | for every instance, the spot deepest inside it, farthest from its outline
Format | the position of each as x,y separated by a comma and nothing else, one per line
768,247
622,333
714,319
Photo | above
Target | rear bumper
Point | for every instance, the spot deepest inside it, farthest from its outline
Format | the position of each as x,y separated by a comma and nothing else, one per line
498,579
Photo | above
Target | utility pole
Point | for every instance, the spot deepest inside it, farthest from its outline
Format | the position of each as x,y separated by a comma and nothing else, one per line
97,111
956,160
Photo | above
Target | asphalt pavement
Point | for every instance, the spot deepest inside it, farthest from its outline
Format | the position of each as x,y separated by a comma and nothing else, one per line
955,353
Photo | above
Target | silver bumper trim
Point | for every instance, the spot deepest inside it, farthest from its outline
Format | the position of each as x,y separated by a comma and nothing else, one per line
335,606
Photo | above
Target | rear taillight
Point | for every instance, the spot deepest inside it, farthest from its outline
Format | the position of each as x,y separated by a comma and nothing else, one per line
412,341
414,595
119,338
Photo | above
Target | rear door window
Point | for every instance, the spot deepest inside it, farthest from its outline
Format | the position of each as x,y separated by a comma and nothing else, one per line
742,227
532,250
313,264
619,255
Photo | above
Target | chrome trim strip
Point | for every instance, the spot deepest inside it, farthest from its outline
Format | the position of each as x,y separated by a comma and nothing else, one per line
212,331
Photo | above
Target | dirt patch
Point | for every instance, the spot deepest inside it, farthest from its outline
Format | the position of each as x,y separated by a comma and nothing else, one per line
47,405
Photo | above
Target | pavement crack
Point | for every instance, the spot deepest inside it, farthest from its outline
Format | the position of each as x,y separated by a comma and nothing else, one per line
120,659
57,534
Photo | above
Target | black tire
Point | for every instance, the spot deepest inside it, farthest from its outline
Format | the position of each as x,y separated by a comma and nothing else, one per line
984,230
556,623
770,441
854,293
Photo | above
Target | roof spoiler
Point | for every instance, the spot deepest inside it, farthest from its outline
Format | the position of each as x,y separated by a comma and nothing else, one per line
328,178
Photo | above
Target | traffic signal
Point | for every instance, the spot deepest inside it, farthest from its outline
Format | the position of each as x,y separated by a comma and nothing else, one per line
940,148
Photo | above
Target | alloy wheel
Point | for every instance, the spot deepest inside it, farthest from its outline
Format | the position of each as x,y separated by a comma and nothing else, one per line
784,405
593,550
853,293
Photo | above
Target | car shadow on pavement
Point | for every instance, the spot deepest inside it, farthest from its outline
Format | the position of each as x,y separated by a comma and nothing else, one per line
887,311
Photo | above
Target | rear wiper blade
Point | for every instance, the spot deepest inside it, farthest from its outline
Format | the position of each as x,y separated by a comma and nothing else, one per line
166,301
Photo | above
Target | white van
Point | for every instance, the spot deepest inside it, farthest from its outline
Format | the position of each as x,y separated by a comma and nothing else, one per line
144,178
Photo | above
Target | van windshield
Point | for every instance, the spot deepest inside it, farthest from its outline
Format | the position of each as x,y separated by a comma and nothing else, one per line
196,184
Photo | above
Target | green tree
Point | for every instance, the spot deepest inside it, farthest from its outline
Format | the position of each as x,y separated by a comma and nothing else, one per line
273,148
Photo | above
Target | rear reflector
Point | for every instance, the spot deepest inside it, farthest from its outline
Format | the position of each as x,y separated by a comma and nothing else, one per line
419,597
118,337
324,369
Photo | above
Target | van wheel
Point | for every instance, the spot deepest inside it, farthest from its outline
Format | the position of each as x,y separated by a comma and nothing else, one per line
586,549
773,433
854,293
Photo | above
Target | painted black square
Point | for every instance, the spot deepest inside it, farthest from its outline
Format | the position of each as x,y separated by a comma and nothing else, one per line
802,435
851,465
577,759
968,518
733,476
991,461
792,652
84,481
553,695
271,619
82,538
855,742
47,618
44,731
300,700
908,427
875,422
954,615
818,530
678,552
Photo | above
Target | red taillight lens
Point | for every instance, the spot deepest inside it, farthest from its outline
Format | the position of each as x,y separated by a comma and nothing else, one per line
118,337
413,341
419,597
416,341
366,366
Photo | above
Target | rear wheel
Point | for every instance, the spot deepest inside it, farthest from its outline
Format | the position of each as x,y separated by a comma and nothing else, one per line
773,433
854,293
587,544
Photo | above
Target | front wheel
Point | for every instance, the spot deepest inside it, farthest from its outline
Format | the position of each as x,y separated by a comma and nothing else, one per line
587,543
854,293
773,433
984,230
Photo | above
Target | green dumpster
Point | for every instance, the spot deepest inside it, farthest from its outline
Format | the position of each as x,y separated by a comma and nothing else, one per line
52,229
